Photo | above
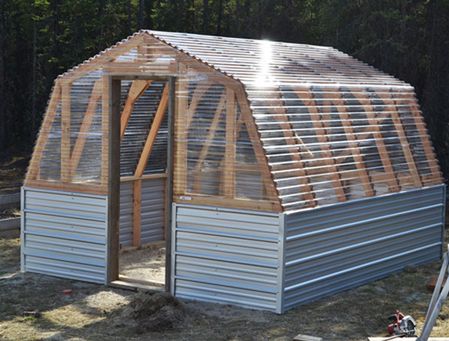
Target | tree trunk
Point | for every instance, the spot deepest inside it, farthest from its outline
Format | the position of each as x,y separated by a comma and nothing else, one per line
205,16
219,16
3,118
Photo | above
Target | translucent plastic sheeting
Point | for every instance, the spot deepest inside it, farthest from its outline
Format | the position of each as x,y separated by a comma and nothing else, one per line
138,128
297,124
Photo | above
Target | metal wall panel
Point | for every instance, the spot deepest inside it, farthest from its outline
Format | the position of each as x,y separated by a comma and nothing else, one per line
152,210
334,248
64,234
126,214
226,256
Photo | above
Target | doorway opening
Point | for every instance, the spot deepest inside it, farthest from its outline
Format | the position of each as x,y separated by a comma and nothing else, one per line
145,182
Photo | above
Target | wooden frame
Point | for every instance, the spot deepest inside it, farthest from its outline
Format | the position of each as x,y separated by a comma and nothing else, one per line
183,66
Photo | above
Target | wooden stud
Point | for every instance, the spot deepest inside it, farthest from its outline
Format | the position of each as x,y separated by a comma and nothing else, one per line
393,183
85,126
205,149
105,121
351,138
259,152
151,138
33,169
291,139
322,137
69,187
65,132
135,91
113,176
425,139
137,204
197,95
402,138
181,133
230,149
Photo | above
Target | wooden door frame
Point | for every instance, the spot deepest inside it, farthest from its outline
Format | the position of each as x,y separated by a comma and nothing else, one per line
113,84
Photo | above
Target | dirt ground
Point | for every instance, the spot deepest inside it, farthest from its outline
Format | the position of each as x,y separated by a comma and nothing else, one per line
147,264
95,312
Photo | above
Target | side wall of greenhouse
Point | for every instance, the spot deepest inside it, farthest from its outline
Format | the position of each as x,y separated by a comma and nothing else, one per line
64,234
227,256
334,248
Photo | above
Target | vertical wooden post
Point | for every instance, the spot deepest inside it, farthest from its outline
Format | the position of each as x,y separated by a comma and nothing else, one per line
137,212
230,150
113,175
105,129
181,133
65,132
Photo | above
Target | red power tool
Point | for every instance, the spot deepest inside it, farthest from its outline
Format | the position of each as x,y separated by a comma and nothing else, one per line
401,325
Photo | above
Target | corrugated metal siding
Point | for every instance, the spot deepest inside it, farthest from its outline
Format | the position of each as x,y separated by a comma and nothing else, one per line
342,246
126,213
64,234
152,210
226,256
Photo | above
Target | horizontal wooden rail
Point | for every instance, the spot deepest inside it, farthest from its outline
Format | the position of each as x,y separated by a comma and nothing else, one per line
143,177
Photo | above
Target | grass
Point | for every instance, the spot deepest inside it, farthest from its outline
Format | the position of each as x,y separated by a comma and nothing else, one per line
95,312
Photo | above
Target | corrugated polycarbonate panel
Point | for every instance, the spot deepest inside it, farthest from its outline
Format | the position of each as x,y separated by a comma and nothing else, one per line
152,210
126,214
341,246
138,127
333,128
64,234
226,256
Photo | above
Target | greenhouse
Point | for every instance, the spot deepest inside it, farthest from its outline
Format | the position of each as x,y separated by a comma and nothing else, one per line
257,173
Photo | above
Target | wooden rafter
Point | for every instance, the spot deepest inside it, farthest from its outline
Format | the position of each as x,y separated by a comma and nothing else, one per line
259,152
85,126
103,58
379,139
391,106
135,91
425,139
321,134
295,153
210,137
230,150
352,143
33,169
65,131
151,138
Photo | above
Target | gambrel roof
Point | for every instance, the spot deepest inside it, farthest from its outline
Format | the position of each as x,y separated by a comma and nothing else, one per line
332,127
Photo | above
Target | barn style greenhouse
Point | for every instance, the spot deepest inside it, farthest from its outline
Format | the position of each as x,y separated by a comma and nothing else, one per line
272,173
